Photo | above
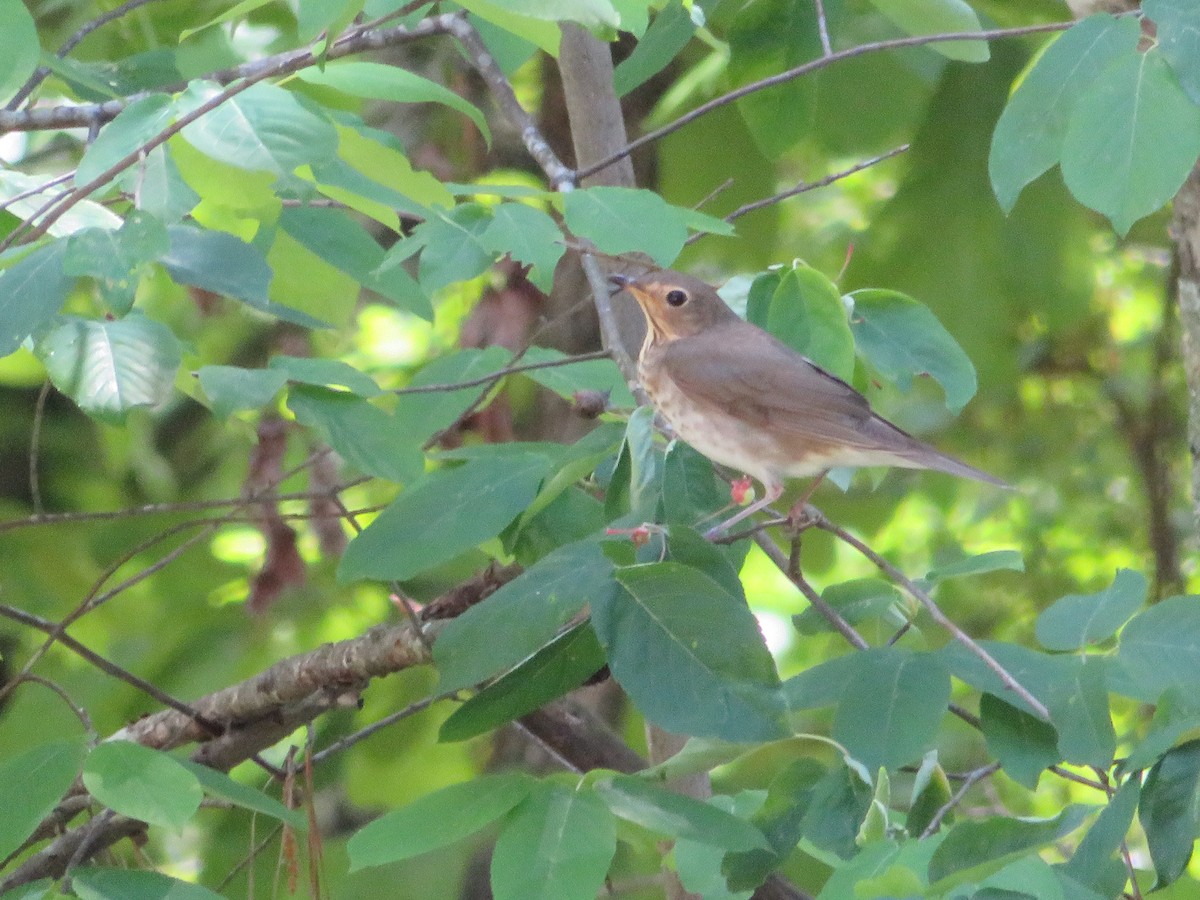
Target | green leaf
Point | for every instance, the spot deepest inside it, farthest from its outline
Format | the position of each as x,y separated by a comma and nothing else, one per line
19,47
1169,810
820,685
1095,852
381,82
931,791
689,653
624,220
442,515
561,666
669,33
766,38
142,783
588,375
781,820
32,784
159,187
115,258
992,561
34,290
1133,138
436,820
379,161
218,784
1077,620
892,706
529,611
230,388
557,845
677,816
856,601
1024,744
364,435
808,315
110,367
529,236
1168,630
425,414
837,808
136,124
901,339
974,849
585,12
1176,713
94,883
1029,135
264,128
921,17
235,13
539,32
330,373
218,262
453,246
691,491
1178,37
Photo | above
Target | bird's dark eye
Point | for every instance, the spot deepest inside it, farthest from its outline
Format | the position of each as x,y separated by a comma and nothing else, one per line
676,298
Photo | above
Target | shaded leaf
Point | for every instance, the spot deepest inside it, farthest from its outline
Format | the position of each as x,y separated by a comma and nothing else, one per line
529,236
363,435
19,47
1178,37
624,220
689,653
94,883
217,262
1074,621
973,849
1169,810
1094,855
807,314
34,290
528,611
382,82
902,339
1024,744
142,783
218,784
1168,630
666,812
891,707
230,388
920,17
436,820
557,845
32,784
133,126
561,666
443,514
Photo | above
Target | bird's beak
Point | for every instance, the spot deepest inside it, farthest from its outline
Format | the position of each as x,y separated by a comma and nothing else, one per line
619,282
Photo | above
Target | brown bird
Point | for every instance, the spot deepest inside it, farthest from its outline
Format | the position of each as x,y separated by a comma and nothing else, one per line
750,402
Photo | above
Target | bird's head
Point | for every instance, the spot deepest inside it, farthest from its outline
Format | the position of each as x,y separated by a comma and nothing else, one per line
675,305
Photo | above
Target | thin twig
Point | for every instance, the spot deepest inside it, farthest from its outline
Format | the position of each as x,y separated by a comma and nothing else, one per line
813,66
40,74
561,177
288,64
80,713
935,612
493,377
823,27
40,189
344,743
35,441
804,187
972,779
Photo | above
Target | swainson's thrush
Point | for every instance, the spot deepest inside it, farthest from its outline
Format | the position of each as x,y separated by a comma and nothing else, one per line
748,401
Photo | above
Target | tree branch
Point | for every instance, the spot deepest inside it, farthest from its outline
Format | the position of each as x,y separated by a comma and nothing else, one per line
813,66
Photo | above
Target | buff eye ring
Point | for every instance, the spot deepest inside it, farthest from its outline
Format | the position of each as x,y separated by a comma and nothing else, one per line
676,298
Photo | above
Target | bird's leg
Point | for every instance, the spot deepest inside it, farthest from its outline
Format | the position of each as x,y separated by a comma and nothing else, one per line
771,491
797,515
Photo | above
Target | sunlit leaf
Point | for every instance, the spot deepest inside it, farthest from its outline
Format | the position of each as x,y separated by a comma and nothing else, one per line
110,367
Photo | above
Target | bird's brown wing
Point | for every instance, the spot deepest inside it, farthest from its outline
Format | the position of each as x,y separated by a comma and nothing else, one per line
774,386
